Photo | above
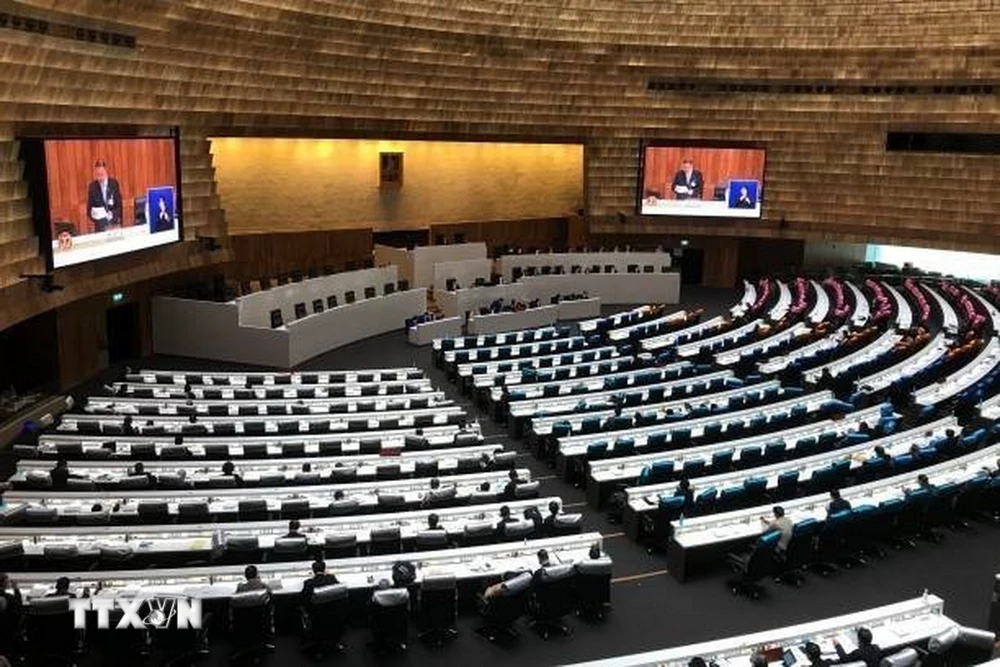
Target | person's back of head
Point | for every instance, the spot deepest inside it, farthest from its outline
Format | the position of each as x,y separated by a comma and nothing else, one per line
250,572
62,585
318,566
432,521
228,468
293,526
435,483
595,552
835,494
543,557
813,651
864,637
758,660
779,511
504,512
554,507
307,467
697,661
338,495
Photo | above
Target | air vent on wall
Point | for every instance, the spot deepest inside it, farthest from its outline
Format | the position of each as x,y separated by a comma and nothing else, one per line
64,31
822,87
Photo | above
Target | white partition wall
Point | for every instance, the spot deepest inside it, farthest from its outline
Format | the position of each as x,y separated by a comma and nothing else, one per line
210,330
585,260
345,324
610,288
401,257
458,302
255,309
425,257
524,319
222,331
465,271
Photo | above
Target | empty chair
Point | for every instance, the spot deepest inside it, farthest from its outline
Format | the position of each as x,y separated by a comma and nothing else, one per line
193,512
289,549
518,530
593,587
477,534
252,510
385,541
553,600
325,618
240,549
51,638
295,508
438,609
153,512
341,545
37,515
753,566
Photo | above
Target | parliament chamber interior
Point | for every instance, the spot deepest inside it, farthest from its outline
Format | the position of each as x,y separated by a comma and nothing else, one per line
429,332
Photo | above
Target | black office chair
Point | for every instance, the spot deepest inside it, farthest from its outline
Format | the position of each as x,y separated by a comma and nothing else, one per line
388,619
252,510
477,534
240,549
593,587
385,541
553,599
502,611
799,554
193,512
11,556
289,549
51,637
431,540
118,647
324,620
251,625
343,545
753,566
438,609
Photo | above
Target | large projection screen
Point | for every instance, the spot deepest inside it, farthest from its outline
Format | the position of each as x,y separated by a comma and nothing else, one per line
701,181
109,196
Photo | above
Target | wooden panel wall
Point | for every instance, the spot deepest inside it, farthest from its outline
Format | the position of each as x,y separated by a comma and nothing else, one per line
137,165
269,255
575,70
542,233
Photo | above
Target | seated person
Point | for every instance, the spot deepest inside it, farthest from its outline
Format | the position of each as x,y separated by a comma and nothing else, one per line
781,523
62,589
510,490
61,475
253,582
11,610
319,579
505,518
550,521
428,496
815,655
543,562
837,504
866,652
924,483
229,470
497,588
293,529
139,470
684,489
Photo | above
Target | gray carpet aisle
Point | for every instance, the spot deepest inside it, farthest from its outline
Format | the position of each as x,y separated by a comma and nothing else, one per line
651,609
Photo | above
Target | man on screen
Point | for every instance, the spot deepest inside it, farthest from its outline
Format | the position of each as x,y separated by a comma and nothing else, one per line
744,200
104,199
688,183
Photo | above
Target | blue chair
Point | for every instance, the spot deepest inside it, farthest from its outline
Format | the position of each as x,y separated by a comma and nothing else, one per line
799,554
680,437
788,485
561,429
775,451
597,450
693,467
755,490
712,431
722,461
656,442
731,498
750,568
750,457
661,471
624,446
705,502
590,425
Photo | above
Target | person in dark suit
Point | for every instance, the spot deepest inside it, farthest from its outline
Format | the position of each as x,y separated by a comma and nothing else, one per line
293,529
866,651
837,504
688,182
744,201
549,524
319,579
104,199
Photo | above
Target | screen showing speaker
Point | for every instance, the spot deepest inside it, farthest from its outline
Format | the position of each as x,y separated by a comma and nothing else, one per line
100,197
701,181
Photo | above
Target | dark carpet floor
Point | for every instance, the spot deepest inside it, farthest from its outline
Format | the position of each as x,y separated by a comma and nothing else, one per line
651,609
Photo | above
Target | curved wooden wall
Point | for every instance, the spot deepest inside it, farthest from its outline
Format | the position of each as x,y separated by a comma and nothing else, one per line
534,71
